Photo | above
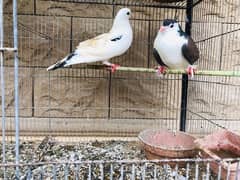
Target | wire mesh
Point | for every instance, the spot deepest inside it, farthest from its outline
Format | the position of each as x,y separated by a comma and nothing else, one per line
161,169
48,30
215,29
77,101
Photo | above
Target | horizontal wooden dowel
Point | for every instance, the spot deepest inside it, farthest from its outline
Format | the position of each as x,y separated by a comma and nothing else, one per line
171,71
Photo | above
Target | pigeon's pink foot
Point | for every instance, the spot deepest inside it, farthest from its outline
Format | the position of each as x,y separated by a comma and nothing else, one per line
113,67
161,70
190,71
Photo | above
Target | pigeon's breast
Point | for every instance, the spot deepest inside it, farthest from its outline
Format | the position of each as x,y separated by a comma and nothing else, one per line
169,48
121,46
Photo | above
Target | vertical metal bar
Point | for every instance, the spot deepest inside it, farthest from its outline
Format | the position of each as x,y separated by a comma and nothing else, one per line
66,172
184,102
219,171
196,171
54,172
144,171
89,171
34,7
33,94
208,171
77,171
114,6
49,105
101,171
29,173
189,14
109,94
165,169
221,48
176,170
15,42
41,173
121,172
149,44
228,170
237,171
111,172
110,73
155,172
2,91
185,76
187,171
133,172
71,35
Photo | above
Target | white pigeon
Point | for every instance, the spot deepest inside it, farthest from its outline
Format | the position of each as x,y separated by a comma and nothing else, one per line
103,47
174,49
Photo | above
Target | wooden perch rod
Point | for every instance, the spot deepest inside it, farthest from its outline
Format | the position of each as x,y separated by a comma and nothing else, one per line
171,71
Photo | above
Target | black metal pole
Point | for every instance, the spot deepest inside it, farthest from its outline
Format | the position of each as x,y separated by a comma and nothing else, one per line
71,35
189,12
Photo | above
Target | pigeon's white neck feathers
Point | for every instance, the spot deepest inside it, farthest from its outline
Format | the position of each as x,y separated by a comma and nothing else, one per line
122,19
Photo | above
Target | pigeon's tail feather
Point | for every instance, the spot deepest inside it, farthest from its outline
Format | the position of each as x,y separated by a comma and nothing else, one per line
71,59
59,64
62,63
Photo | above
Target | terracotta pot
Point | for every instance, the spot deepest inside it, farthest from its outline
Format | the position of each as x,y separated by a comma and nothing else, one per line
162,144
206,153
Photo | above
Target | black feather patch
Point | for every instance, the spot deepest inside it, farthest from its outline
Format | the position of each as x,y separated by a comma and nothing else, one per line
117,38
71,55
190,51
167,22
181,32
158,58
59,65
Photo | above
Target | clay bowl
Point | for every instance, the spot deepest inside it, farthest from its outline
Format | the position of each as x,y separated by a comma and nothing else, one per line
232,167
164,144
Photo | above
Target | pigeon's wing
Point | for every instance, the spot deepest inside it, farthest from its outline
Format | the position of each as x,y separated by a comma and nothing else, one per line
158,58
100,46
94,45
190,51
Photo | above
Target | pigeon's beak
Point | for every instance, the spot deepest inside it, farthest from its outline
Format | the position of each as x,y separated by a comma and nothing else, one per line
162,29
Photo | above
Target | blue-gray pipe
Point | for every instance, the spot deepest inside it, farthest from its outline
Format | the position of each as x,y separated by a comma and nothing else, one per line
15,42
2,90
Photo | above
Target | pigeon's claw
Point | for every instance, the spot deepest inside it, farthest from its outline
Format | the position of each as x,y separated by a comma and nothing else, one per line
161,70
190,71
113,67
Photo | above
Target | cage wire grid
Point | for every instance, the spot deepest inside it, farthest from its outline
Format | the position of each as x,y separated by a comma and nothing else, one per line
77,101
156,169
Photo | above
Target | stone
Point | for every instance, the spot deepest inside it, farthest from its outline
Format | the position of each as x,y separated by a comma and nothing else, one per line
24,6
25,92
65,93
74,9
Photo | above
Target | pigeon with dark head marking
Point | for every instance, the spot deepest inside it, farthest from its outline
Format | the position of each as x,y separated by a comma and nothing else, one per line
174,49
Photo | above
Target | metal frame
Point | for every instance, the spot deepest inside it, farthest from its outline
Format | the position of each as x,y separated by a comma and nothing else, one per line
157,169
16,95
2,87
179,5
17,165
188,26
